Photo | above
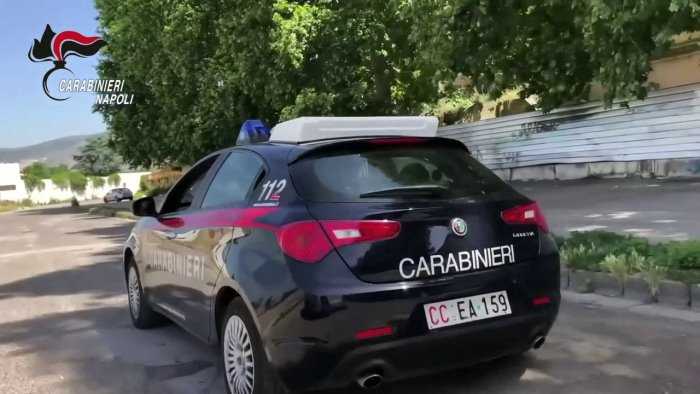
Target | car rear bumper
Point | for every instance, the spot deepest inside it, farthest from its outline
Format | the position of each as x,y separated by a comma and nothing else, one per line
314,345
441,351
313,364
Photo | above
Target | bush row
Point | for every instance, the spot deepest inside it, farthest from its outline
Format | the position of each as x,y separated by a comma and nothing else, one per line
625,255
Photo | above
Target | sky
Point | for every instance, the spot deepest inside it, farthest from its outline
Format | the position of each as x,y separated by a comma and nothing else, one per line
27,116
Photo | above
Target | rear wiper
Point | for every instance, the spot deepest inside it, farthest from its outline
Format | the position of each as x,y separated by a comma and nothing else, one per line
420,190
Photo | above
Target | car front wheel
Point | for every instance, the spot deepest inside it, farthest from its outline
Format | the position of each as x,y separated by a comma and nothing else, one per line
246,368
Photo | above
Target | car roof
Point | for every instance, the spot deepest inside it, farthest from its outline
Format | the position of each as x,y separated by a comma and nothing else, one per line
307,129
286,153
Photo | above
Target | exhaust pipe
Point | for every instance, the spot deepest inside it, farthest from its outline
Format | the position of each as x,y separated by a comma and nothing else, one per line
370,381
538,342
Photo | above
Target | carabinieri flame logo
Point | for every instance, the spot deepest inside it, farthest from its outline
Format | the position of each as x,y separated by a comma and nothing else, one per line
57,47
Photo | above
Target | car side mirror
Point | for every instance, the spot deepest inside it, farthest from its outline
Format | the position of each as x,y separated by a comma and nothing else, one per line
145,206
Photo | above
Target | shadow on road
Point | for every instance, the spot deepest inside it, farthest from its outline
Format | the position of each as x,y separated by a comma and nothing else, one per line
112,230
480,378
60,210
103,278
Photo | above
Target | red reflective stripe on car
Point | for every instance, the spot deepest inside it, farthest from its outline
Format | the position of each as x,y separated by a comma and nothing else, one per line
245,217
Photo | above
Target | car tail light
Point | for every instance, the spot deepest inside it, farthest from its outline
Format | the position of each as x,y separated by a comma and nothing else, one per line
310,241
304,241
541,301
529,213
348,232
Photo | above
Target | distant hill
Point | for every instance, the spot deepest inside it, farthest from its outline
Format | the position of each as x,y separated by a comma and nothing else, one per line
53,152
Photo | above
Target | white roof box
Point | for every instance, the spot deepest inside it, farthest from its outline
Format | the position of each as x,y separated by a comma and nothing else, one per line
306,129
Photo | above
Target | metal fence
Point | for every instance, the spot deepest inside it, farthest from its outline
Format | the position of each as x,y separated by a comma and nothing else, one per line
664,126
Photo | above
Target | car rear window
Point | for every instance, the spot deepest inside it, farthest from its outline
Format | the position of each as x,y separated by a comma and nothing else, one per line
413,172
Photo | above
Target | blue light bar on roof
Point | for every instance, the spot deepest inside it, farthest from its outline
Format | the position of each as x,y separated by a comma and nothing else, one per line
253,131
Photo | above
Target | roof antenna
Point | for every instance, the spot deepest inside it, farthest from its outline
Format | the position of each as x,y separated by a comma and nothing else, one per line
253,131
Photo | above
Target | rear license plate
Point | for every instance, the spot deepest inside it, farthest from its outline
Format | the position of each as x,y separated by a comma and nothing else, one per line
467,309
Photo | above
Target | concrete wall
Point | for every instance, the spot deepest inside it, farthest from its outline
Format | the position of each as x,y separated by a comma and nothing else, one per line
11,184
659,137
10,174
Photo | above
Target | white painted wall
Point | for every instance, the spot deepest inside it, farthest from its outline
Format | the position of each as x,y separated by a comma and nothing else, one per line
10,178
10,175
662,127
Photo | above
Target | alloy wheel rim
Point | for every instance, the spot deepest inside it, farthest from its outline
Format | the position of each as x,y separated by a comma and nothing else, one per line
134,293
238,357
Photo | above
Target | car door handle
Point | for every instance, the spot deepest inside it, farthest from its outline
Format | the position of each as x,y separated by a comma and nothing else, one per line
169,234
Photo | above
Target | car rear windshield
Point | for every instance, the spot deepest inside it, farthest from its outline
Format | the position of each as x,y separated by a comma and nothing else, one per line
406,172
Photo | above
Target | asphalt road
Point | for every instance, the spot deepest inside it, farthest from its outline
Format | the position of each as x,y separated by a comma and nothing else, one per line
658,209
64,328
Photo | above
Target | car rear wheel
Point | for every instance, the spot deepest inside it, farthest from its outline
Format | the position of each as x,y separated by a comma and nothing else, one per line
246,369
142,316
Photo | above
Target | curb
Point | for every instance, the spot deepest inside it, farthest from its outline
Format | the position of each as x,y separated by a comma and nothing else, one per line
671,293
654,310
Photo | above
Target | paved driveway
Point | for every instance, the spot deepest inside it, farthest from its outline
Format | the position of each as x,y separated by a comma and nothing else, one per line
64,328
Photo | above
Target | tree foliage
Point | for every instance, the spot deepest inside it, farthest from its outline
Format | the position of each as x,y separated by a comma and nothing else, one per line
97,158
197,69
33,182
38,170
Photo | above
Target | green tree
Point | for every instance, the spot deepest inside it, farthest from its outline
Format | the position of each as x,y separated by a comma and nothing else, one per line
37,170
553,49
197,69
97,158
32,182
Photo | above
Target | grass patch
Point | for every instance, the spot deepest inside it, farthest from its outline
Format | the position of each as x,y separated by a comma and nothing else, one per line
112,213
8,206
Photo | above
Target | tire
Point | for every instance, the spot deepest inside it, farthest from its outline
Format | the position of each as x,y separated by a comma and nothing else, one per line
142,315
236,326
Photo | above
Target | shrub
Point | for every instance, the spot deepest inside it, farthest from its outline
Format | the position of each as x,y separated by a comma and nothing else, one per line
157,191
143,183
61,179
610,243
650,271
619,266
583,257
682,255
114,180
97,181
165,178
77,181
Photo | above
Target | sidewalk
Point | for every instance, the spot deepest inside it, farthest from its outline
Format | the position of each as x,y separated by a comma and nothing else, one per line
655,310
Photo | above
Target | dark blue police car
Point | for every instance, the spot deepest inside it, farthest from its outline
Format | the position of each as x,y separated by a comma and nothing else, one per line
344,250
